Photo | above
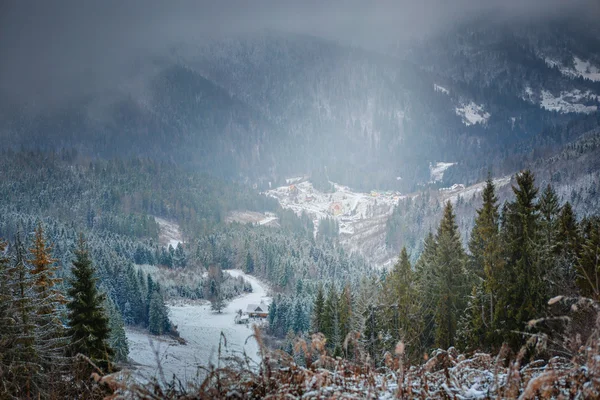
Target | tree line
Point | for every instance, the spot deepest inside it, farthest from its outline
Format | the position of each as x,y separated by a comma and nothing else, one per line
497,290
52,336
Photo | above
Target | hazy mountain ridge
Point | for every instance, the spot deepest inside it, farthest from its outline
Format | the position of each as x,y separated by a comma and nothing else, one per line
271,105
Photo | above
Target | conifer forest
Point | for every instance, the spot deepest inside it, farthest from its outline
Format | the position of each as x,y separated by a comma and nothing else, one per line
300,200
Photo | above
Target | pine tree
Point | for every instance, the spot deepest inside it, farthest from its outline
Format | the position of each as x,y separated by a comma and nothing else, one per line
523,296
87,320
450,266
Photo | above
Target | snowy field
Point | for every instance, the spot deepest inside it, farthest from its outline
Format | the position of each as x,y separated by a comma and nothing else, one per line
201,328
574,101
452,193
436,171
169,233
472,114
253,217
362,217
569,102
440,89
582,68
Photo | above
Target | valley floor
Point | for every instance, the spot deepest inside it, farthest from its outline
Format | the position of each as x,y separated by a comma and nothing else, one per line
201,328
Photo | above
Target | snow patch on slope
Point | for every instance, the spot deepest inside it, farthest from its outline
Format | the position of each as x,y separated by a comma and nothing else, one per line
453,193
436,171
252,217
582,68
170,234
568,102
472,114
586,70
440,89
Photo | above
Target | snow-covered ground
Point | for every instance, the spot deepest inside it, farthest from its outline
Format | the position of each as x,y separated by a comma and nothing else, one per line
573,101
472,114
436,171
362,217
201,328
440,89
170,234
586,70
257,218
582,68
568,102
452,193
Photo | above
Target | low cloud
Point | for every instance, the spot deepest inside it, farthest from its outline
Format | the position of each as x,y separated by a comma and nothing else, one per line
52,50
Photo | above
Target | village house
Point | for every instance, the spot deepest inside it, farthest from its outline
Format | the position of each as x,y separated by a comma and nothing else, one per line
258,310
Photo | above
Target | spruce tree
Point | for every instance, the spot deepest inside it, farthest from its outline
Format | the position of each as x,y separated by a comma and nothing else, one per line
364,299
331,318
549,210
87,321
372,331
217,303
158,320
568,241
426,282
318,322
117,339
43,273
523,295
345,311
299,320
23,355
10,355
400,306
588,265
485,266
249,263
565,250
49,331
450,268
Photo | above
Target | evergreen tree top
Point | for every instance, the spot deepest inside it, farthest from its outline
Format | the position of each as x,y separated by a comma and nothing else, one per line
549,204
525,191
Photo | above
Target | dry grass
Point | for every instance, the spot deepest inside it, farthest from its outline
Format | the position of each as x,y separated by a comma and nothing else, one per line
445,375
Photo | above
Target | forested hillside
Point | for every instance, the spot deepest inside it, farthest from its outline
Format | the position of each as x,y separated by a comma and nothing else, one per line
268,105
308,200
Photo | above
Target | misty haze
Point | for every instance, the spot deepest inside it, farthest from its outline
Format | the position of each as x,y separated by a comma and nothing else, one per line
300,199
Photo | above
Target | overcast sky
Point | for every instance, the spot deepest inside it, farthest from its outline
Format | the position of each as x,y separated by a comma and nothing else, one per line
51,49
